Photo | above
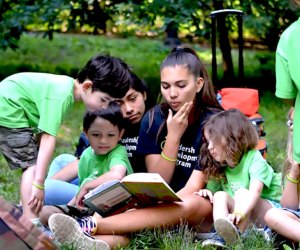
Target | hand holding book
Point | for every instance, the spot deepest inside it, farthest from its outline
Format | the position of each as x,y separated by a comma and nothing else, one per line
134,190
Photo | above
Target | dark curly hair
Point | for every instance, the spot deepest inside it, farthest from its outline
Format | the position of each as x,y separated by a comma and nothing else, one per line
108,74
234,133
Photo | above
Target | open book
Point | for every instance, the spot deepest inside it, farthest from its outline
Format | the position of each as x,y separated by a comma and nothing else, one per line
134,190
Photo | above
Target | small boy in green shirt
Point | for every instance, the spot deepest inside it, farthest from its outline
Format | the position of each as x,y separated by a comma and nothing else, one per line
104,159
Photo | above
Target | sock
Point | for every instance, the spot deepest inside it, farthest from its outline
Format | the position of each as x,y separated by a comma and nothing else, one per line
35,221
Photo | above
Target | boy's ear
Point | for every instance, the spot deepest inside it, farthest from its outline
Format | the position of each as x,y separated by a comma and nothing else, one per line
121,133
86,85
85,132
145,96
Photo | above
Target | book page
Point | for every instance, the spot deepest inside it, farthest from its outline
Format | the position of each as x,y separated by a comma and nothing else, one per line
149,188
143,177
100,188
108,198
111,198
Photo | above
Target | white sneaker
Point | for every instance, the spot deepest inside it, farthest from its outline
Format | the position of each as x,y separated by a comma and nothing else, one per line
228,231
67,231
216,241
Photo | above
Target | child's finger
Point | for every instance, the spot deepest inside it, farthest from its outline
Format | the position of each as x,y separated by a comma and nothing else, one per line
38,207
210,196
31,202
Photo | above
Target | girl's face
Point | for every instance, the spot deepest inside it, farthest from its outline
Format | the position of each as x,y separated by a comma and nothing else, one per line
179,86
94,100
103,136
215,149
133,105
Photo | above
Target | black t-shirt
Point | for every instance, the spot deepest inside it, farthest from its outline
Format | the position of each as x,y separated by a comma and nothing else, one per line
189,148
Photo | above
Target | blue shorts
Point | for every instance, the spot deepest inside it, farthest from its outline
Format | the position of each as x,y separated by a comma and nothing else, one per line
295,212
274,204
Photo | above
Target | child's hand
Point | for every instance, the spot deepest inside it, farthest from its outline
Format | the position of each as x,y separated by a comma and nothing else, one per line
79,197
205,193
36,200
236,218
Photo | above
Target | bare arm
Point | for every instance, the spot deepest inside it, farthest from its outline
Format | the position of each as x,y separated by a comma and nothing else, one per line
68,173
244,204
116,173
194,184
176,126
290,195
46,149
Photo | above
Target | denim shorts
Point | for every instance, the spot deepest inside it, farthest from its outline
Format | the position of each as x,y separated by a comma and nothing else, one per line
295,212
274,204
19,147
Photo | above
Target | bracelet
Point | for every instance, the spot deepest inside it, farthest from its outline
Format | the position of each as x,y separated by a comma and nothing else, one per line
167,158
291,179
240,214
41,187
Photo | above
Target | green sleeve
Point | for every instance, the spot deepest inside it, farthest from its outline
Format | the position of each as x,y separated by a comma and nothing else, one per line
214,185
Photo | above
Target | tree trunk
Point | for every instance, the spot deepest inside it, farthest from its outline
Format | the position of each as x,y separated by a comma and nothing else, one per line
227,64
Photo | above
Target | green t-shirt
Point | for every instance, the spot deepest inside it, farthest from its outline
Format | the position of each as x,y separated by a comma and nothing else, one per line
92,166
288,76
252,167
36,100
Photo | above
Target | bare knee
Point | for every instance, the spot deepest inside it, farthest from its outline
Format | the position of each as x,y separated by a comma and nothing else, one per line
196,208
220,195
271,217
46,212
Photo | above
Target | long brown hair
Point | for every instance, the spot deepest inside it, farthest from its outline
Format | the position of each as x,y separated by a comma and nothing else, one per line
234,133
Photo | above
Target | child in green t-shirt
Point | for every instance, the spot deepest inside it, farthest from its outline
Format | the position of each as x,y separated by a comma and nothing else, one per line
36,103
104,159
241,185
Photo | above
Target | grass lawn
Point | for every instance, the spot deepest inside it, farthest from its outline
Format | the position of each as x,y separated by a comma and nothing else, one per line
66,54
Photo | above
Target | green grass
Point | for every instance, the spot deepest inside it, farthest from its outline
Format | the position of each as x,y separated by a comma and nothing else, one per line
66,54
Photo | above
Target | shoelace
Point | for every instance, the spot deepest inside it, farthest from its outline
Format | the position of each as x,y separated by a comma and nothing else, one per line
87,224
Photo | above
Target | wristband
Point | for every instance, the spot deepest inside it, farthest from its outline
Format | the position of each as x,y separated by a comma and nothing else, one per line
167,158
291,179
41,187
240,214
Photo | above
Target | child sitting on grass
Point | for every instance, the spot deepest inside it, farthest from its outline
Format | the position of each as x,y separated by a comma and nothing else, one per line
104,160
241,185
286,221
